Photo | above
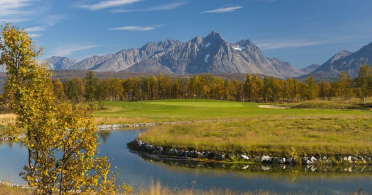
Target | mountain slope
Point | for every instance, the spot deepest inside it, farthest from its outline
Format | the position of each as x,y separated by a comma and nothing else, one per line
59,63
54,62
345,61
309,69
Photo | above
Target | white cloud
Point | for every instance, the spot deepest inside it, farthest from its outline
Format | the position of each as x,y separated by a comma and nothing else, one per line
166,6
48,20
134,28
169,6
12,7
286,44
13,10
35,29
223,10
68,50
107,4
34,35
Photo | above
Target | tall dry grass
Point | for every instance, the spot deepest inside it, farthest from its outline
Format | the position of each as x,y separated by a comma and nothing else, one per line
158,189
98,120
5,120
307,135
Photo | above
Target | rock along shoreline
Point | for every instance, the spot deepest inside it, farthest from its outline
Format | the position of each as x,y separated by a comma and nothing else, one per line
176,154
99,128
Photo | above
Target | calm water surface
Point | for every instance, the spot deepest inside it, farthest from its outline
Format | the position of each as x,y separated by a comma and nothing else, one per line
136,171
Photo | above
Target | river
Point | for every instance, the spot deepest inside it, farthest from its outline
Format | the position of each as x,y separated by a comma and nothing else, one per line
138,172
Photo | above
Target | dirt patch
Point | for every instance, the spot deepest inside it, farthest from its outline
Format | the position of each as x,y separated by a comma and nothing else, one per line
272,107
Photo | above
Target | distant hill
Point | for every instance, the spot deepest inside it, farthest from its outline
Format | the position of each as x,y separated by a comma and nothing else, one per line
345,61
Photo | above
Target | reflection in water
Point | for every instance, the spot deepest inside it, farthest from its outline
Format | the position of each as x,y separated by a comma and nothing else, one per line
137,172
10,144
104,135
290,173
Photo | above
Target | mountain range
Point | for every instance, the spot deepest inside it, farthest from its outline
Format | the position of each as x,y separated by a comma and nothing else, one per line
211,54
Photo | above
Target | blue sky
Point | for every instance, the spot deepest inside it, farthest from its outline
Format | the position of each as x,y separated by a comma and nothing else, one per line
302,32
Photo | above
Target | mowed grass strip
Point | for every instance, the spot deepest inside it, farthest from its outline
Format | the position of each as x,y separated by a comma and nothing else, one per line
308,136
196,110
326,105
198,103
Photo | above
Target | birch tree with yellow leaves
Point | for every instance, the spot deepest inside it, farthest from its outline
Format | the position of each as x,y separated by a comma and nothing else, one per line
61,143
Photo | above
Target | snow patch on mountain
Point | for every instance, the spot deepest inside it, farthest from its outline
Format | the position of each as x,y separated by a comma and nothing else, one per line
206,58
239,48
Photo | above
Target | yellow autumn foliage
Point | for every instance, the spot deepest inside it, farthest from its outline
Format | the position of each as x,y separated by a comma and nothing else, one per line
61,143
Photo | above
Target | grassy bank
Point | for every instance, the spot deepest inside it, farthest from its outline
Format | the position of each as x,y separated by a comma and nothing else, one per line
14,190
306,135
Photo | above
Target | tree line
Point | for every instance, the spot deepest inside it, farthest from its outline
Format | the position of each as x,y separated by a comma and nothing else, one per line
206,86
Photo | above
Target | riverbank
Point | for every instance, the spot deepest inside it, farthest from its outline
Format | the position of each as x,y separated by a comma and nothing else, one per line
8,188
166,153
302,136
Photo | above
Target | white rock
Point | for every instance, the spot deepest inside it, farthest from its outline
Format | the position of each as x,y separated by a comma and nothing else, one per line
245,157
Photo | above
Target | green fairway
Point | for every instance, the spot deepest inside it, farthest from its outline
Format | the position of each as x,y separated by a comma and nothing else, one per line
197,103
195,110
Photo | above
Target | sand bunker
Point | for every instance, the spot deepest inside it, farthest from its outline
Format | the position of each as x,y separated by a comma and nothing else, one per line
272,107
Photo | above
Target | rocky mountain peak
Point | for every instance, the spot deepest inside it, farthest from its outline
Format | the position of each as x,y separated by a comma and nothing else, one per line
343,53
169,41
214,37
59,63
55,58
245,42
198,40
148,45
340,55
